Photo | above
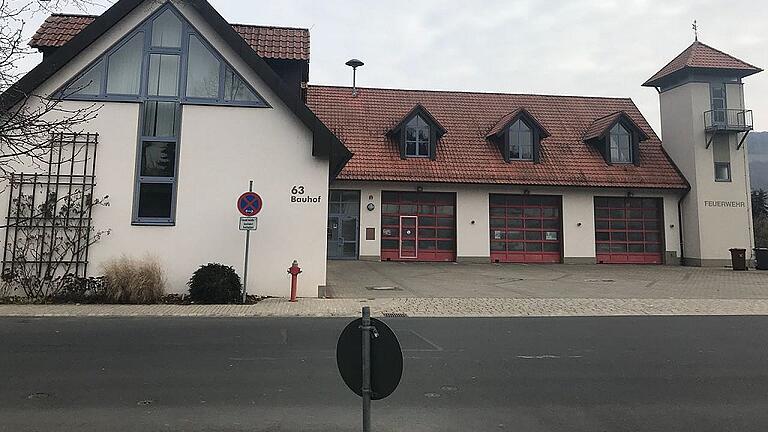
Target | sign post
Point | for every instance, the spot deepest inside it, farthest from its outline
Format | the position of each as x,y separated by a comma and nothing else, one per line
249,205
370,360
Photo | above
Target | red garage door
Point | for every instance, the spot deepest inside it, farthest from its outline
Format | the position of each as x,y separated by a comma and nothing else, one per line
628,230
525,228
418,226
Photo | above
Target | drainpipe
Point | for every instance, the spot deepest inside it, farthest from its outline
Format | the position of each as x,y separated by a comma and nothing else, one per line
680,225
748,187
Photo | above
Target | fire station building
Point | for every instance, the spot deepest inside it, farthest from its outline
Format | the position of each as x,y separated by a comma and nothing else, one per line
192,108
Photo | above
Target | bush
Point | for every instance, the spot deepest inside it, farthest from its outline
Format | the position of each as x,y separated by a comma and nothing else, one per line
133,281
215,284
74,289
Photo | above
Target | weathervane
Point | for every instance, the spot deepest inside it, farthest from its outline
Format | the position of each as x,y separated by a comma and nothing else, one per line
695,31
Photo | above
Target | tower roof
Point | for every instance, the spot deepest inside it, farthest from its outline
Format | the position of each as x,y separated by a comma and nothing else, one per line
702,56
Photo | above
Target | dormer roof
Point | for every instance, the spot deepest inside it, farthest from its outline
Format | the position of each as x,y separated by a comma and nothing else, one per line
419,109
602,125
703,57
507,120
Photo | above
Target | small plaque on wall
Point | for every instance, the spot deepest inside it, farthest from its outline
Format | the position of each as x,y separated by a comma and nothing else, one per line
370,233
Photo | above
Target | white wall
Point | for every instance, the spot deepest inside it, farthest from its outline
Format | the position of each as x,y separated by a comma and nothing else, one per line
220,150
473,239
709,231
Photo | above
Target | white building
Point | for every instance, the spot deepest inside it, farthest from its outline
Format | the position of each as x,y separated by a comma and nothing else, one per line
193,108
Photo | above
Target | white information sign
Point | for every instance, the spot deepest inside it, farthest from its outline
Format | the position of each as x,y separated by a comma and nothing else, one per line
248,223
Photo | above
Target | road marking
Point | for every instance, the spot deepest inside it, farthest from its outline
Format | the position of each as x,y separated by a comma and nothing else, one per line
546,356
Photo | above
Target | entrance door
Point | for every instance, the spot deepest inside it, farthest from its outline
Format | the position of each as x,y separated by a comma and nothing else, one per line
409,237
628,230
343,215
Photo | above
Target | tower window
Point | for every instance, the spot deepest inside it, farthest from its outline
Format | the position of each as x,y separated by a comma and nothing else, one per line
721,154
417,138
621,144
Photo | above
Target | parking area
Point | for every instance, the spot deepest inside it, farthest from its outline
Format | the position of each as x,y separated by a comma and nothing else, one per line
366,279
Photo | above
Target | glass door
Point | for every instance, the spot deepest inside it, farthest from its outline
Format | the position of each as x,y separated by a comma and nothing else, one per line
409,236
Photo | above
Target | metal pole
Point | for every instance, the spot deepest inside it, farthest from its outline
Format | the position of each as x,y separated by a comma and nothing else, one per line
247,247
366,390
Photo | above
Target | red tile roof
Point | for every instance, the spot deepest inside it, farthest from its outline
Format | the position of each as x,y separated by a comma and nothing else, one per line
269,42
464,155
700,55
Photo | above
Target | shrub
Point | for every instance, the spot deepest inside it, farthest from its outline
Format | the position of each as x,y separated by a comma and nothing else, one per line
215,283
74,289
133,281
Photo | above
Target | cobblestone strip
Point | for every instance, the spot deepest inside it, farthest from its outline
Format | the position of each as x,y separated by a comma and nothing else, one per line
414,307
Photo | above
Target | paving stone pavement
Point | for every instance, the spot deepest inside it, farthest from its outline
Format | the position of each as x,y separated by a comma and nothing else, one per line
412,307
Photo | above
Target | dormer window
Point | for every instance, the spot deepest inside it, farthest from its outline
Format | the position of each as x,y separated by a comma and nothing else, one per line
518,136
417,134
617,137
621,145
417,138
520,141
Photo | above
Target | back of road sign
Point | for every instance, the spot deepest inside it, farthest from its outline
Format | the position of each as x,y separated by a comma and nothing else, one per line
386,359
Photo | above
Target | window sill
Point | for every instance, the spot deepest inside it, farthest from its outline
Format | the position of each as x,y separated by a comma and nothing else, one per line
723,181
152,223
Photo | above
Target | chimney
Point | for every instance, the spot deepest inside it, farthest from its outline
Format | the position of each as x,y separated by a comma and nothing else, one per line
354,64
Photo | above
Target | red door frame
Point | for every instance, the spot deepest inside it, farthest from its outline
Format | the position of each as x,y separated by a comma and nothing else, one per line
415,238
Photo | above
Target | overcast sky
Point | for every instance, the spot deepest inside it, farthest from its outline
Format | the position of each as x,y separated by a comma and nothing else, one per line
595,47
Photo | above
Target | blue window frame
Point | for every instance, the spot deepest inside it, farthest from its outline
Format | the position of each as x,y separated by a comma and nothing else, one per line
163,63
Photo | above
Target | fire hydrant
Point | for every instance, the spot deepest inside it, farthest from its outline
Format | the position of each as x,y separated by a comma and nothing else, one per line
294,271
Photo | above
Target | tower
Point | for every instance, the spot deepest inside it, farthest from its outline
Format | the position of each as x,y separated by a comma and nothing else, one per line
704,124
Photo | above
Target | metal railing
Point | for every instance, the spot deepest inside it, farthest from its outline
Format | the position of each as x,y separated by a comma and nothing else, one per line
736,120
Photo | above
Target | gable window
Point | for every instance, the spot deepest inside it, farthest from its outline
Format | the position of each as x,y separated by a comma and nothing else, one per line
620,144
520,141
163,64
417,138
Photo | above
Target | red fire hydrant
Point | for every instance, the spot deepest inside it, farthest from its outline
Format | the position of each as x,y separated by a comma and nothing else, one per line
294,272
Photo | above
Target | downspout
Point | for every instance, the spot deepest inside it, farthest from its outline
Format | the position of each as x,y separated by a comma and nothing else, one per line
749,202
680,225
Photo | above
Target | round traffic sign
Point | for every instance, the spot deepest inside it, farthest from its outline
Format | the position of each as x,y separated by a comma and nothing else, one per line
386,359
249,204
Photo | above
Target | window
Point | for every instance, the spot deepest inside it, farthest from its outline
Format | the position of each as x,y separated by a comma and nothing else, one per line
163,75
162,64
165,57
124,67
520,141
620,144
166,30
717,93
417,137
721,154
156,177
203,71
88,83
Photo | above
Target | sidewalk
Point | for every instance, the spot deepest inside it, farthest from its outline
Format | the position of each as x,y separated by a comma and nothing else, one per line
411,307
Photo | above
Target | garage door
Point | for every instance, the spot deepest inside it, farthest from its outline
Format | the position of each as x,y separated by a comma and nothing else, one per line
418,226
526,228
628,230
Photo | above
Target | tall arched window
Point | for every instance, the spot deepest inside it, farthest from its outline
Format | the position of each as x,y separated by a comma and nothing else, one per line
417,137
621,144
520,141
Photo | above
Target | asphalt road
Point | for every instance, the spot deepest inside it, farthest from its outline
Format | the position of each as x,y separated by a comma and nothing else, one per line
523,374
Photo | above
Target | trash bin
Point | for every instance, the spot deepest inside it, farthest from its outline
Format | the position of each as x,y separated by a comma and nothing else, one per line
738,258
761,255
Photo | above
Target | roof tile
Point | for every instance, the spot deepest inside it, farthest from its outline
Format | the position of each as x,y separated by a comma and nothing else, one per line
269,42
700,55
464,155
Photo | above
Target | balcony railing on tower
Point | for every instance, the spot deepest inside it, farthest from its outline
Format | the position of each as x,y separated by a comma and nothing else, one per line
728,120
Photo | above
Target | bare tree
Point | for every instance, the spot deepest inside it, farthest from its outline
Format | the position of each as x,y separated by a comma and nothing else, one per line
27,125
